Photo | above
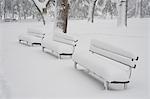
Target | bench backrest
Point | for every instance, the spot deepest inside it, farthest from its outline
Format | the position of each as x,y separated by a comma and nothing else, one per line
64,38
112,52
36,32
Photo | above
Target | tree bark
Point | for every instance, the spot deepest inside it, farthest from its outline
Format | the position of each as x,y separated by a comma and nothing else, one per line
138,8
122,13
141,4
66,19
61,16
4,9
48,3
91,10
19,12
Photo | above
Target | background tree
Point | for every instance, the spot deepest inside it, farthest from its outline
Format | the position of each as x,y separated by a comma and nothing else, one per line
122,13
79,9
39,11
1,8
42,6
61,16
91,10
145,11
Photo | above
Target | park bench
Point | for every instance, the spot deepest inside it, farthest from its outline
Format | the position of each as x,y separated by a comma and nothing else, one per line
32,37
108,63
59,44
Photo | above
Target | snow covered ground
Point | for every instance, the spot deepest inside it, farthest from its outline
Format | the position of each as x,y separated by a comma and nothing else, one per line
28,73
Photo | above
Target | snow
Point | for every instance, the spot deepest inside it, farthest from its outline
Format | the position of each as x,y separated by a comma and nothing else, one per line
41,5
31,74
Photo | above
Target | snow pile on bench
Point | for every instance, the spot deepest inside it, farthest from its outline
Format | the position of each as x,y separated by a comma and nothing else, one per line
33,36
106,62
60,44
113,52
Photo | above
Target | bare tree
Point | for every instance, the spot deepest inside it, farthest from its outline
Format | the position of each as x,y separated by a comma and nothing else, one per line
61,16
39,11
4,9
107,6
1,8
91,10
122,13
138,9
42,7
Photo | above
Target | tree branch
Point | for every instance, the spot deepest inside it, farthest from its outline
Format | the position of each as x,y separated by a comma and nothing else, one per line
39,12
47,3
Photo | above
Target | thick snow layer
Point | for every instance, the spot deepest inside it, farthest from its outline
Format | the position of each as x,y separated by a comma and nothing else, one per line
31,74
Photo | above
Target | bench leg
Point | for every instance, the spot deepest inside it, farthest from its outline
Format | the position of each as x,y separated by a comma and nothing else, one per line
43,49
75,65
59,56
106,85
19,41
125,85
29,44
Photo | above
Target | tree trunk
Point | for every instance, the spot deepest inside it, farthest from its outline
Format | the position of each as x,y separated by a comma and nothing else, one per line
12,9
19,13
4,9
138,8
33,16
141,4
91,10
66,19
61,16
13,15
24,15
122,13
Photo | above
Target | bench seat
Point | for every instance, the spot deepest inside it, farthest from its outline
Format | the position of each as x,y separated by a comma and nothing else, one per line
32,36
104,67
29,39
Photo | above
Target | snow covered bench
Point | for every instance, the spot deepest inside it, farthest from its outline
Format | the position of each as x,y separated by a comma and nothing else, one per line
59,44
110,64
33,36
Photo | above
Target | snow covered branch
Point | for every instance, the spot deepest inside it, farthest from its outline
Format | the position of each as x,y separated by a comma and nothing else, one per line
39,9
